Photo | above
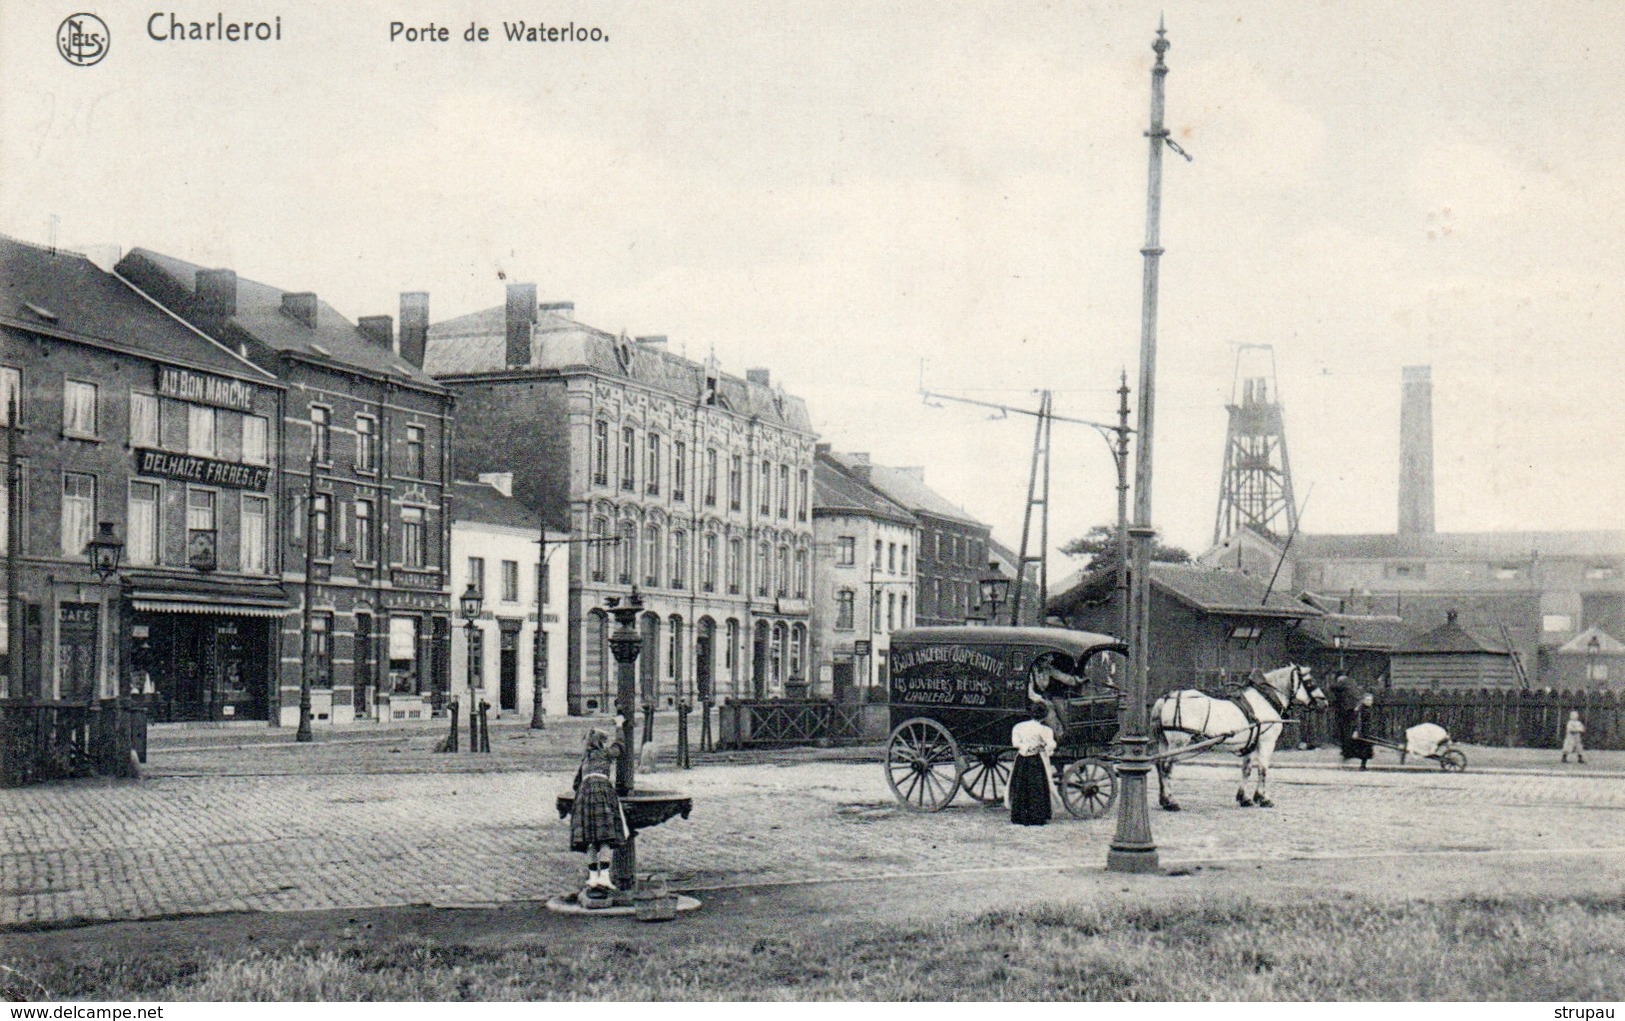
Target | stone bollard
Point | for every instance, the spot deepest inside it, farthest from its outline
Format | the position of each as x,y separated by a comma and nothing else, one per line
450,743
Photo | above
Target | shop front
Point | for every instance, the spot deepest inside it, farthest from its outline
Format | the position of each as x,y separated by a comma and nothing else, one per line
204,654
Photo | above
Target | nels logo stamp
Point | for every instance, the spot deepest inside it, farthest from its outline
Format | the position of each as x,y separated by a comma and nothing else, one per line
82,39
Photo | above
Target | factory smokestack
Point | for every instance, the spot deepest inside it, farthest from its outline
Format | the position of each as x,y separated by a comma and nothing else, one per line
1416,451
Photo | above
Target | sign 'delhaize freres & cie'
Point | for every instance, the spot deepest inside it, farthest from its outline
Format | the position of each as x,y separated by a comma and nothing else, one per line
220,392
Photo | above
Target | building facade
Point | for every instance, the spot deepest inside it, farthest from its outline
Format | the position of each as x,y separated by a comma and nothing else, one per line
704,479
495,547
952,556
863,581
365,457
126,417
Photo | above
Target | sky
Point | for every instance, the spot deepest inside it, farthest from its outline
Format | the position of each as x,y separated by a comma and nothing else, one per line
868,197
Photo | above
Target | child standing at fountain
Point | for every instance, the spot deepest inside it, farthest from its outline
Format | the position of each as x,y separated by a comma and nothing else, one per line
597,821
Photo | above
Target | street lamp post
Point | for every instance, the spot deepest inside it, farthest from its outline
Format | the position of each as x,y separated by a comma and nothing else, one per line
995,586
1132,847
468,605
1340,642
1593,650
104,552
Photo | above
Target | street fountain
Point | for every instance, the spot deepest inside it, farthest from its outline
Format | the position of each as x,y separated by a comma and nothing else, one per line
644,808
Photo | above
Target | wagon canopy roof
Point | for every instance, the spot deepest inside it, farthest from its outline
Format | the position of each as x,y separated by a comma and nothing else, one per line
1074,643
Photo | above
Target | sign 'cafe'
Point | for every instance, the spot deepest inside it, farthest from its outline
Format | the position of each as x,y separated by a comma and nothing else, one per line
202,638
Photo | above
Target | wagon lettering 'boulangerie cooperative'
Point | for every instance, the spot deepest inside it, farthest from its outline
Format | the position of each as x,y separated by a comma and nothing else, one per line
909,658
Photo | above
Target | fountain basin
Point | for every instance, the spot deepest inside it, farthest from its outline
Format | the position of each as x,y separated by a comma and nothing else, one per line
643,808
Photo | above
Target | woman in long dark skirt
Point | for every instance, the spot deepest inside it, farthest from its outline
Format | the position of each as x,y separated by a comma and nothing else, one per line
597,821
1355,746
1029,791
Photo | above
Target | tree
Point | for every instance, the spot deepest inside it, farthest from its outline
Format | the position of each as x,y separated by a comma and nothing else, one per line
1099,544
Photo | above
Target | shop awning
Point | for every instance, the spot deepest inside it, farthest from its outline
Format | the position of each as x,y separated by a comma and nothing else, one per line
223,609
222,600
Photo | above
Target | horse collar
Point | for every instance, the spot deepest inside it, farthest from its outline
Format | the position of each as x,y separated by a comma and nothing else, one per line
1271,696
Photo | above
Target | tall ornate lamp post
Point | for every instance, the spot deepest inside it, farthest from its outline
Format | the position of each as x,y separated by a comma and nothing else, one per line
995,586
1340,642
1132,848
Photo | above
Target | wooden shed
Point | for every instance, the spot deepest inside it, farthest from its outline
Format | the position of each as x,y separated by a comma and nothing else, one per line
1209,628
1451,656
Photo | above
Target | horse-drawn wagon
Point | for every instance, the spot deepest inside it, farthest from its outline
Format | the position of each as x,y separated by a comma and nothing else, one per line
957,692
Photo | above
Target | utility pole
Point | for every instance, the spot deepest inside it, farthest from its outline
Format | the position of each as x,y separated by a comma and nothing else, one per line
14,542
303,733
538,708
1116,437
1132,848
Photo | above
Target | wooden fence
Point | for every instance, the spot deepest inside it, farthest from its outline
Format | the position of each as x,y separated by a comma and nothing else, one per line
1528,719
42,740
748,723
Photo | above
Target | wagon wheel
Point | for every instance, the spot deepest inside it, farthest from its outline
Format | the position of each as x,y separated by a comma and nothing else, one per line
1088,788
923,767
987,775
1452,761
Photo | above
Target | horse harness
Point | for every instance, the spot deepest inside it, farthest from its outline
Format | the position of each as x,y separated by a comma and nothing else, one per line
1255,727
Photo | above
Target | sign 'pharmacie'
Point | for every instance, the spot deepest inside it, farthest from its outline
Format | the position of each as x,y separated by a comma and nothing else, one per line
202,470
204,388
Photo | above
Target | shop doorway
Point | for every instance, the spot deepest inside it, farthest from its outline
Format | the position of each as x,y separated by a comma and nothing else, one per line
205,667
508,666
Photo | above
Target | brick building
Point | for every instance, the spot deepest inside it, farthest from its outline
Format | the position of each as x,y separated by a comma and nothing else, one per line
953,552
125,416
863,579
704,477
374,639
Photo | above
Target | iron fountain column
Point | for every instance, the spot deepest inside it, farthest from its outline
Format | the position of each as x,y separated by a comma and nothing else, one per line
626,642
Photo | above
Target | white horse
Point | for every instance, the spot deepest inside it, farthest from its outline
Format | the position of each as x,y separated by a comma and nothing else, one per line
1248,725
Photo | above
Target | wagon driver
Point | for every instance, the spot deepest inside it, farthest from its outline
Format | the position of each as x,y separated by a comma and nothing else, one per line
1047,684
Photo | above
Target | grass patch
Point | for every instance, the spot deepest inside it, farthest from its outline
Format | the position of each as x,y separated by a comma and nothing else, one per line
1471,949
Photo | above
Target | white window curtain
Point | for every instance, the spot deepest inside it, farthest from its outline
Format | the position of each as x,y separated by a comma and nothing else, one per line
143,525
200,431
255,510
256,441
143,420
79,408
78,513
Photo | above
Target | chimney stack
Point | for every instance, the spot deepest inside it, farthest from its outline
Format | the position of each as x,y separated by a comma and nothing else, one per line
378,329
300,305
521,321
562,309
414,336
216,291
1416,451
761,377
654,342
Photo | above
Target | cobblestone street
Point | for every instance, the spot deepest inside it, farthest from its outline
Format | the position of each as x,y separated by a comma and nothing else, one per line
384,821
